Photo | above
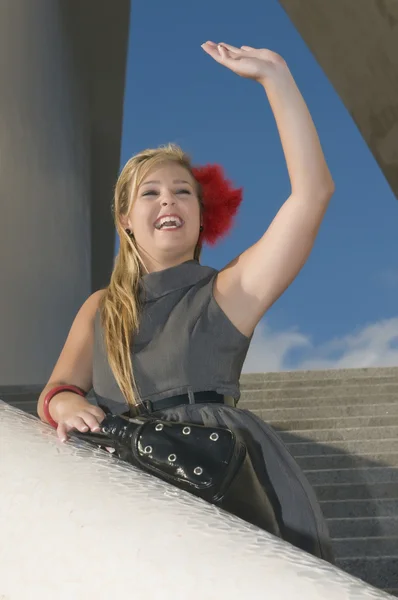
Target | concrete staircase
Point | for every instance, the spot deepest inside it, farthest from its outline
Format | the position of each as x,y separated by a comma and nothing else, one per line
342,428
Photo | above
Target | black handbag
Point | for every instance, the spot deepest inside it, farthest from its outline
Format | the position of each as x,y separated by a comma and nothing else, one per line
210,462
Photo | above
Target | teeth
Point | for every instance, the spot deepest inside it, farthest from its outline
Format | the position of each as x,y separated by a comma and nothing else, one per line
169,223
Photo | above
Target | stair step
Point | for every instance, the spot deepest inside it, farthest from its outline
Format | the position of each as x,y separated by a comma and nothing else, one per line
369,475
363,527
248,383
391,591
379,571
326,412
356,491
330,392
332,423
348,461
22,390
340,374
344,434
29,406
366,546
15,399
342,428
343,447
257,400
380,507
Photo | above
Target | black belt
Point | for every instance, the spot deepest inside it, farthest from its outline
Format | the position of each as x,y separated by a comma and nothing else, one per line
198,398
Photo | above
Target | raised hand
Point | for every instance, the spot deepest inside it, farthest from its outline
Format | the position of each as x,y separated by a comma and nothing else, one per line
252,63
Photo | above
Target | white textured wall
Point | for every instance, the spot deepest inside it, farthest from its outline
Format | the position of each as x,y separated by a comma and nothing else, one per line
44,190
75,524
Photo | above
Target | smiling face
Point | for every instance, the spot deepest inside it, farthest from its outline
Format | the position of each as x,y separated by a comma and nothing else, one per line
165,216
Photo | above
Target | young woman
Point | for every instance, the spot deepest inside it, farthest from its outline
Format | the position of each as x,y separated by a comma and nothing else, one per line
170,334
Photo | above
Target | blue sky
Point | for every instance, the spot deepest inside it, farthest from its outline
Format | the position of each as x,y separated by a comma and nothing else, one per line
342,309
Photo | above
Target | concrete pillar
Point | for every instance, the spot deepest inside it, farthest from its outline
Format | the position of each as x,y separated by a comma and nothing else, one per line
62,77
356,44
44,190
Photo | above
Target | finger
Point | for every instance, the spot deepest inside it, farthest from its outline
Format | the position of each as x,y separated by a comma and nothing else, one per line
211,48
62,432
247,48
91,421
220,55
77,423
214,52
219,47
98,413
230,48
223,53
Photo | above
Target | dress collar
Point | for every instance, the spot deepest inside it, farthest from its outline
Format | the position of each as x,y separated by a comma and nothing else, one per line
159,283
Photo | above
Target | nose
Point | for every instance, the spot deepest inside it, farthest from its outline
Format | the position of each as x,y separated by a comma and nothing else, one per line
168,199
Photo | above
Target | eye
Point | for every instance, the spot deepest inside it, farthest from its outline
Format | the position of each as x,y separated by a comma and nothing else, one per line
155,192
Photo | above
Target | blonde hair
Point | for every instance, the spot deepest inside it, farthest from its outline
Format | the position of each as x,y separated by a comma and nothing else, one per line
120,305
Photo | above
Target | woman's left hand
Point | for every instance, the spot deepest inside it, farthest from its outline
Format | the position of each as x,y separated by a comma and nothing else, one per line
245,61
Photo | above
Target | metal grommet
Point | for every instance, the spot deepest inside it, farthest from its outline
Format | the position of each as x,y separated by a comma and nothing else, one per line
214,437
198,470
148,449
186,430
105,430
172,457
159,427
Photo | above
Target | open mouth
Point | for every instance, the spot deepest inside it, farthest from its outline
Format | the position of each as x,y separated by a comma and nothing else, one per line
169,222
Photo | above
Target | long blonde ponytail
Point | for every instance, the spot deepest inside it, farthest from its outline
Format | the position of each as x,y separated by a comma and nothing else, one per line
120,307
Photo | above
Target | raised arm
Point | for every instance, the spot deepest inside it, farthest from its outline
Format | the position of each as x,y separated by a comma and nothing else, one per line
75,367
256,278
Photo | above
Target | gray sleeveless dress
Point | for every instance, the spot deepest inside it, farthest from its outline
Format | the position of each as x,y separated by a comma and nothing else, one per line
187,344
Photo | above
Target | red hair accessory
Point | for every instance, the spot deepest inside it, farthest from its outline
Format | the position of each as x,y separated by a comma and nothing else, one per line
221,202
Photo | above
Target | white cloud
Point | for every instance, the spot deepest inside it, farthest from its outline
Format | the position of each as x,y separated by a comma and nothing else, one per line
373,345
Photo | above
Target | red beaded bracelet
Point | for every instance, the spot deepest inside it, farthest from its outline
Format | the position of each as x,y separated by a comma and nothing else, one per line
51,394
